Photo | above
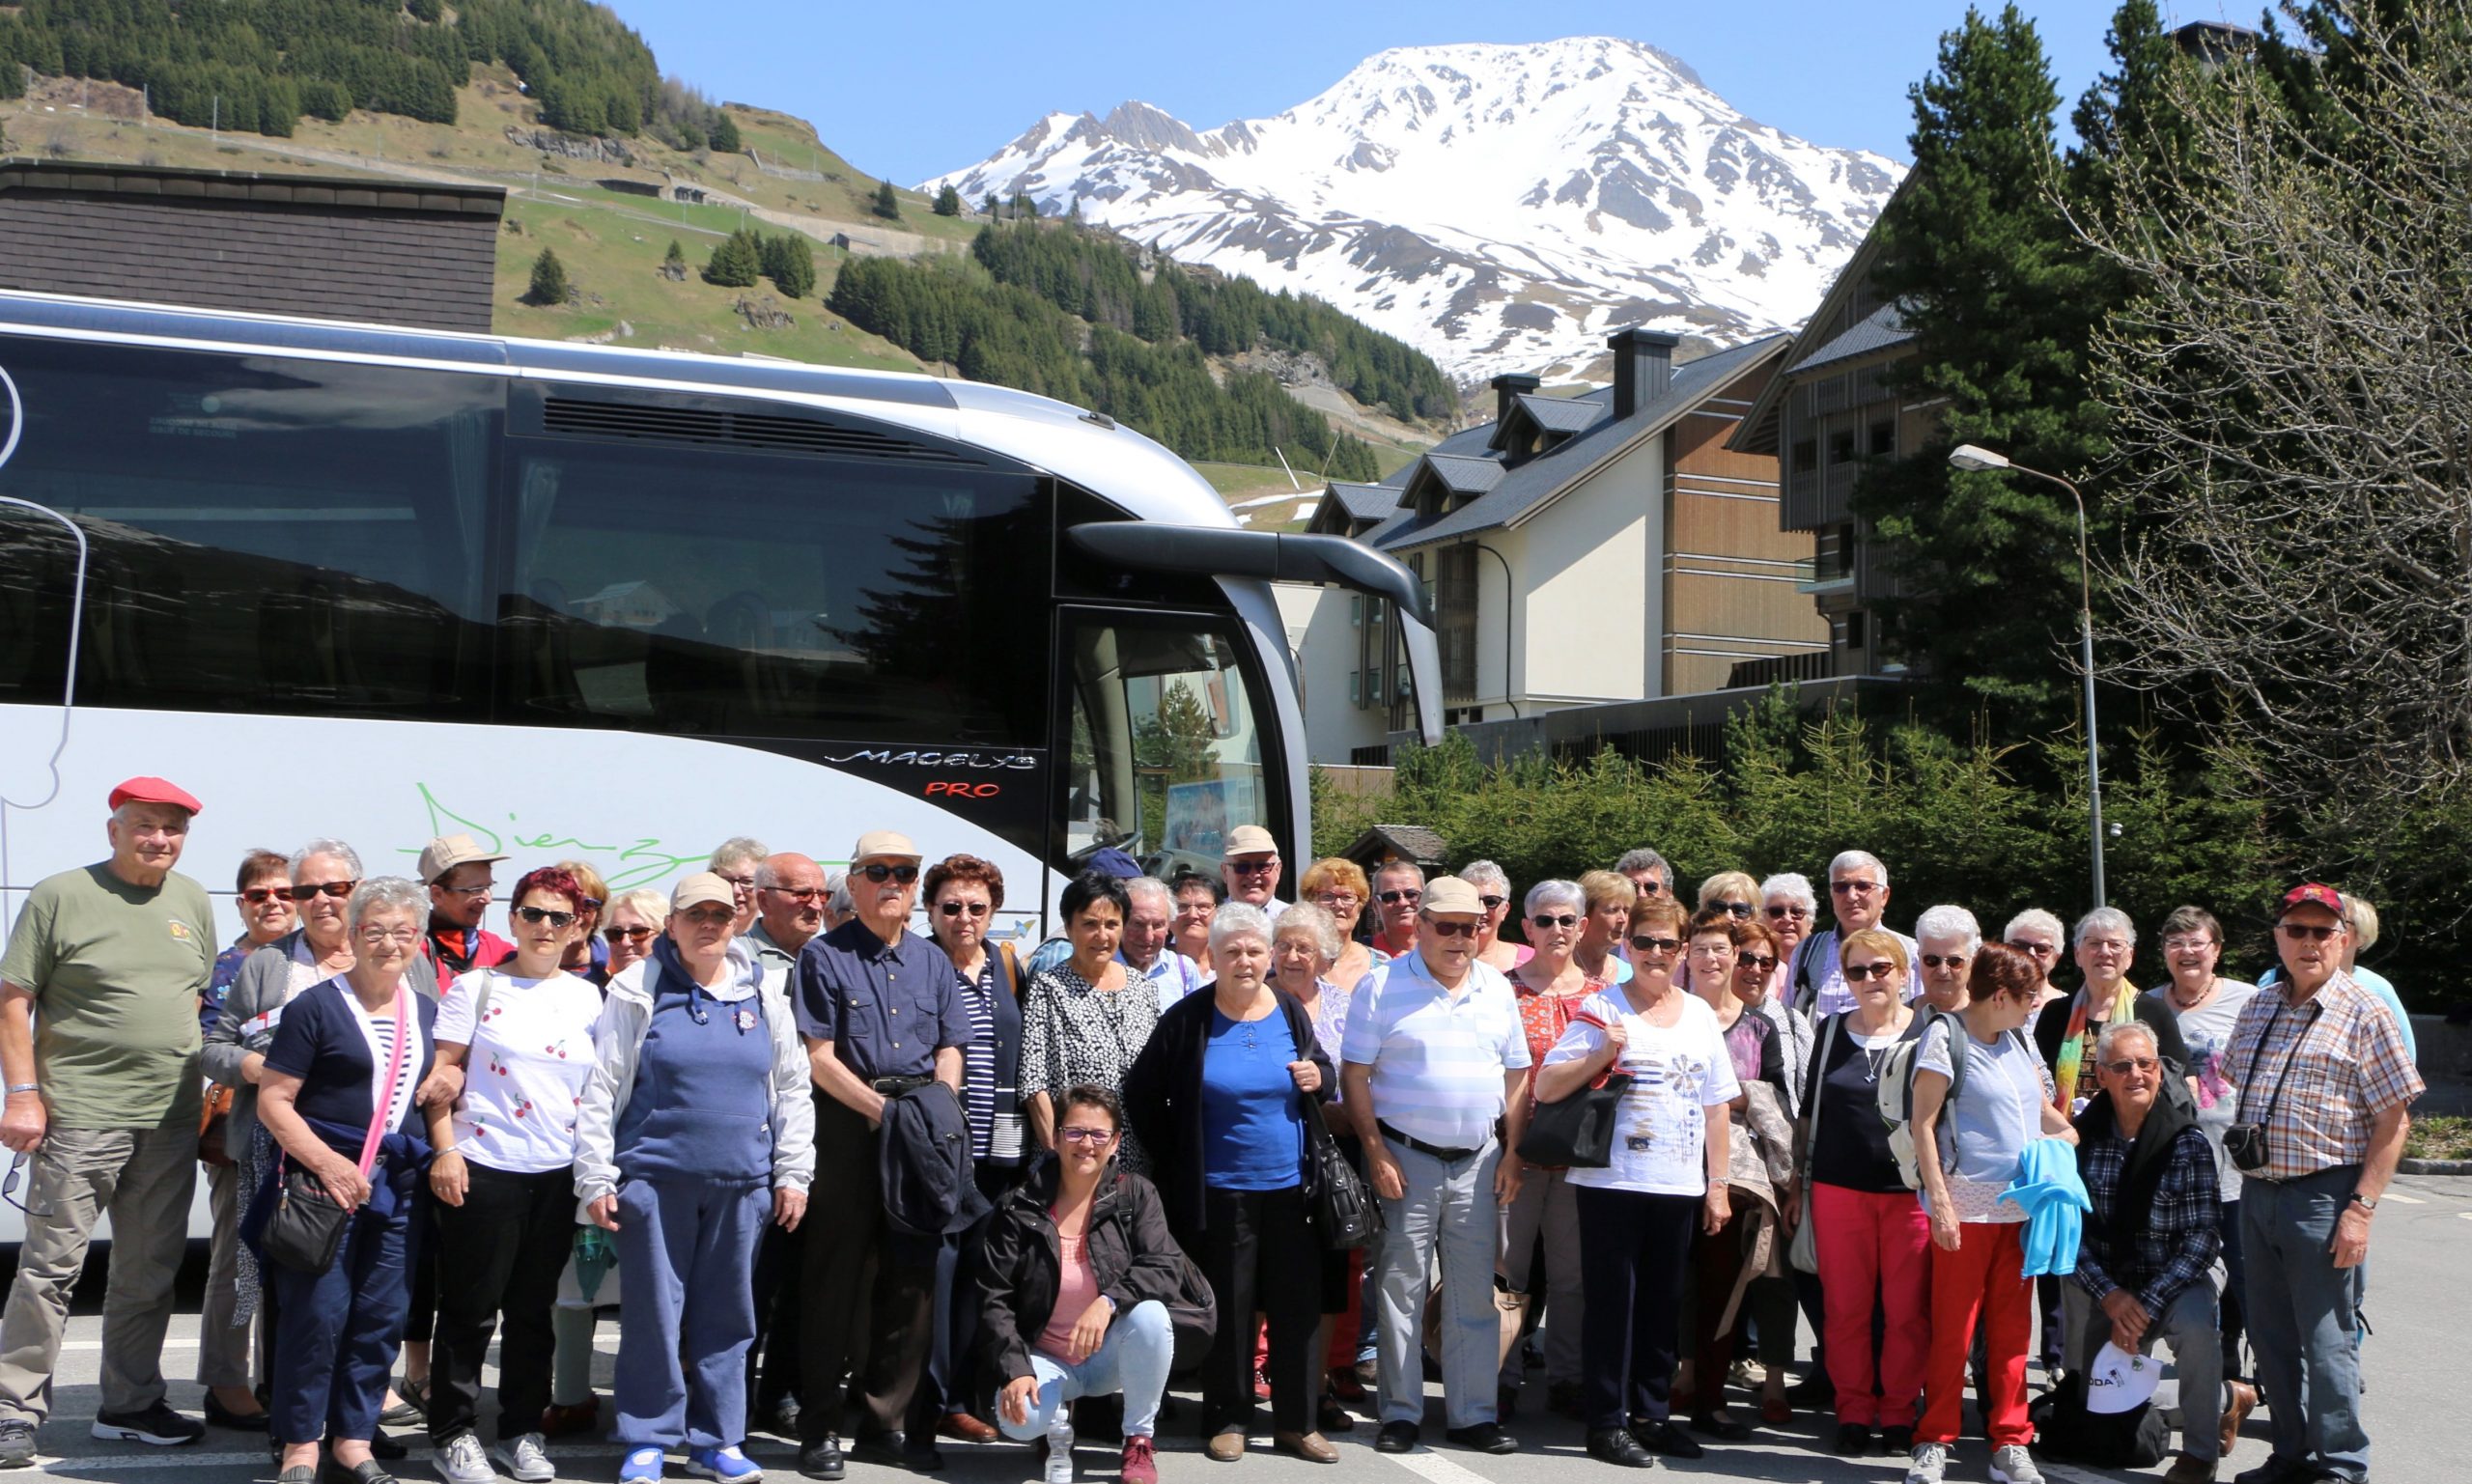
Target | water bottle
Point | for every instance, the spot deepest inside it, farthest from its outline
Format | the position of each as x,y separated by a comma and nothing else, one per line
1059,1444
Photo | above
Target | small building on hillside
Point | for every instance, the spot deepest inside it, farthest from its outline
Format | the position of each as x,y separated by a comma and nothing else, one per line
1580,551
1384,844
367,248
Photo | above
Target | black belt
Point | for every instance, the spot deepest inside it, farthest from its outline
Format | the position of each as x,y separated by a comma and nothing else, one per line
1422,1147
895,1086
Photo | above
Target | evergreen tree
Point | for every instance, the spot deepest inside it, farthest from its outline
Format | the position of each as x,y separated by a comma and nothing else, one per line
948,200
887,204
2002,302
549,280
676,255
987,207
790,264
724,133
737,263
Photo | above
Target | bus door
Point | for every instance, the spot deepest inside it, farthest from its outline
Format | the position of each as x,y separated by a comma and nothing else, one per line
43,558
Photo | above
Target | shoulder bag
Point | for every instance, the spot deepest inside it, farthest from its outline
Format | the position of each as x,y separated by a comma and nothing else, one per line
1577,1132
1343,1206
1804,1253
307,1224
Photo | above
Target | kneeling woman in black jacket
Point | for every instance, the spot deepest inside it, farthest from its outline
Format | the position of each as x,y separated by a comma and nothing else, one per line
1074,1284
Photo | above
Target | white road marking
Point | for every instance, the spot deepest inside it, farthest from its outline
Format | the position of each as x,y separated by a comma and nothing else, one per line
2402,1199
1436,1468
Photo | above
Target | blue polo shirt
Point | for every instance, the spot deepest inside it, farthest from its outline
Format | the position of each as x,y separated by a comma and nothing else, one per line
887,1008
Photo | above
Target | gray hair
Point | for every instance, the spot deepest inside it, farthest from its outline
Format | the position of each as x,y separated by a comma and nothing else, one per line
1484,873
2035,919
379,892
2104,919
1945,921
1397,864
1644,859
1856,860
739,850
336,848
839,903
1306,918
1238,919
2361,917
1794,886
2112,1033
1151,887
648,905
1557,892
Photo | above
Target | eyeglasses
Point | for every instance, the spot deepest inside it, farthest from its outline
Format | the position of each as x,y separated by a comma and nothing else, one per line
880,873
376,937
482,891
738,883
1856,973
548,915
634,934
9,1186
2128,1064
1408,894
1712,948
804,896
1655,944
1763,962
339,889
1252,867
712,917
2296,931
260,896
1493,904
1944,960
1073,1135
1796,914
1451,929
963,909
590,904
1337,900
2189,945
1849,888
1556,920
1651,887
2038,950
1738,909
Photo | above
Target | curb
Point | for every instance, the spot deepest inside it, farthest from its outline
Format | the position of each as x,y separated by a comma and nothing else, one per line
2433,1166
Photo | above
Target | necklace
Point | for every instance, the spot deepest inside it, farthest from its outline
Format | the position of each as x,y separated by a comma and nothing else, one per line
2187,1005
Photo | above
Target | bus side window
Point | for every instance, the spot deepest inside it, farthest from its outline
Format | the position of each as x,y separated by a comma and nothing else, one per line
1163,754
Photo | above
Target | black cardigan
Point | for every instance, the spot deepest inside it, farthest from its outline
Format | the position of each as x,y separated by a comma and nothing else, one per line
1162,1103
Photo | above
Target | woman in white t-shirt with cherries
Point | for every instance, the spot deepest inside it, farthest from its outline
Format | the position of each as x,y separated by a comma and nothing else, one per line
520,1035
1667,1179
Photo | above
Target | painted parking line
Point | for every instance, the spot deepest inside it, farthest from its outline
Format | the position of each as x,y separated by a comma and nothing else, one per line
1436,1468
2402,1199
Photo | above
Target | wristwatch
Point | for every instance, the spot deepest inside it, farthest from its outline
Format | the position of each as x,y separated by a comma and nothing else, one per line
2364,1202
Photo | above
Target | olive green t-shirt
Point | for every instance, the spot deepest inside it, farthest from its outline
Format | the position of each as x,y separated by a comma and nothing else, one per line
116,971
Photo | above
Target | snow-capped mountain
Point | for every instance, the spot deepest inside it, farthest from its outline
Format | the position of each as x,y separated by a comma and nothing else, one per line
1503,207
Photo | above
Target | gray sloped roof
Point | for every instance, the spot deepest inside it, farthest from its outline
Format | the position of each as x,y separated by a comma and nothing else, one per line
1464,475
1883,328
1517,491
1365,502
1562,414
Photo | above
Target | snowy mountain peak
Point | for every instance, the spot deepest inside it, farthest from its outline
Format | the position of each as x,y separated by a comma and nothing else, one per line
1501,207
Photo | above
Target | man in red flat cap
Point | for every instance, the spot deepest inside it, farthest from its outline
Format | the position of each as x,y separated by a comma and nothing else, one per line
103,1110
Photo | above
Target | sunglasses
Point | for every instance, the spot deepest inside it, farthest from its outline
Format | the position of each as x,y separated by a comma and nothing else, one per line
341,889
1651,889
880,873
1656,944
712,917
963,909
1849,889
2297,931
9,1186
1556,920
636,934
804,896
1856,973
1451,929
1404,894
1938,960
1491,904
260,896
1738,909
1086,1135
2038,950
1252,867
1796,914
482,891
537,915
1763,962
2128,1064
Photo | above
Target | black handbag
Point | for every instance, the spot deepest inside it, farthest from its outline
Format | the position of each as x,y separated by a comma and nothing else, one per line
1343,1206
1577,1132
306,1227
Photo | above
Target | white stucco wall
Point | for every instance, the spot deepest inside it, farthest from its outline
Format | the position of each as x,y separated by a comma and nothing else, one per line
1586,565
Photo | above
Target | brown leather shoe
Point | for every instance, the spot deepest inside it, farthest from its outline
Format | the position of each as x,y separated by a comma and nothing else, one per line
1312,1447
2190,1470
567,1421
961,1425
1225,1447
2235,1411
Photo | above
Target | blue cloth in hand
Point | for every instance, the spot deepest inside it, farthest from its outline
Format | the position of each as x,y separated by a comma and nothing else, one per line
2048,1189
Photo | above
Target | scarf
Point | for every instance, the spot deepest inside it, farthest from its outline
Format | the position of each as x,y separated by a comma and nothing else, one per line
2074,1047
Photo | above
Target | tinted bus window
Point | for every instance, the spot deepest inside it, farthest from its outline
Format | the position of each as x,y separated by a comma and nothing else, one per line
266,534
724,593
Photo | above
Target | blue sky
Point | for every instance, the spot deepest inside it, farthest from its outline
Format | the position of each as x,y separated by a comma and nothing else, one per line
910,89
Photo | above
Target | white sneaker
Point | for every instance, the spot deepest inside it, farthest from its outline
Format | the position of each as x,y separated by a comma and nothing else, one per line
461,1462
524,1461
1927,1464
2012,1465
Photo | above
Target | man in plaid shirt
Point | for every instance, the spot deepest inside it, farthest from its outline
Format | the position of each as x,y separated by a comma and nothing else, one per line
2145,1266
2321,1070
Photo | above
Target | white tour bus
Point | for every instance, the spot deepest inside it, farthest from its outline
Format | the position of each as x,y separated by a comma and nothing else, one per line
619,605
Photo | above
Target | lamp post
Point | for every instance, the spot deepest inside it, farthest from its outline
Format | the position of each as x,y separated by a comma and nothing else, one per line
1969,456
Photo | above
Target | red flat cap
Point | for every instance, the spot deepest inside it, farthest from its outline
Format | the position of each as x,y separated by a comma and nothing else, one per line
155,791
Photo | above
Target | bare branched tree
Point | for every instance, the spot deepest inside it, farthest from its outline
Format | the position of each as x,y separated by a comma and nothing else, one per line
2291,392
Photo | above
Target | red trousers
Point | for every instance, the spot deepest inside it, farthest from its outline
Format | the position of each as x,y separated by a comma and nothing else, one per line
1980,1278
1873,1243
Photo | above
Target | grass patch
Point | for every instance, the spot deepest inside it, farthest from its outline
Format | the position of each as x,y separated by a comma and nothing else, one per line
2440,1136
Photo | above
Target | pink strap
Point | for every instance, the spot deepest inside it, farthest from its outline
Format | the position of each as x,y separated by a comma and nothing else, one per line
403,1032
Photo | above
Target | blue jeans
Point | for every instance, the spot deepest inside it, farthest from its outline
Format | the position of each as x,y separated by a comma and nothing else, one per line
2302,1317
1134,1359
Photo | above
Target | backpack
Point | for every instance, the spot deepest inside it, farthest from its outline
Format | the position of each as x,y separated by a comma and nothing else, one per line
2136,1439
1896,1091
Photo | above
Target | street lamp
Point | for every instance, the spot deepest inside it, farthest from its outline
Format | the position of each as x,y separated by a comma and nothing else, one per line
1969,456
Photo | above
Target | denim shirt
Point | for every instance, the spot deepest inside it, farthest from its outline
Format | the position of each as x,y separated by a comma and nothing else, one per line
887,1008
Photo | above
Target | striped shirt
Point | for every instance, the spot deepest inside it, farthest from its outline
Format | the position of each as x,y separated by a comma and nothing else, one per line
2318,1075
1438,1059
979,1058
